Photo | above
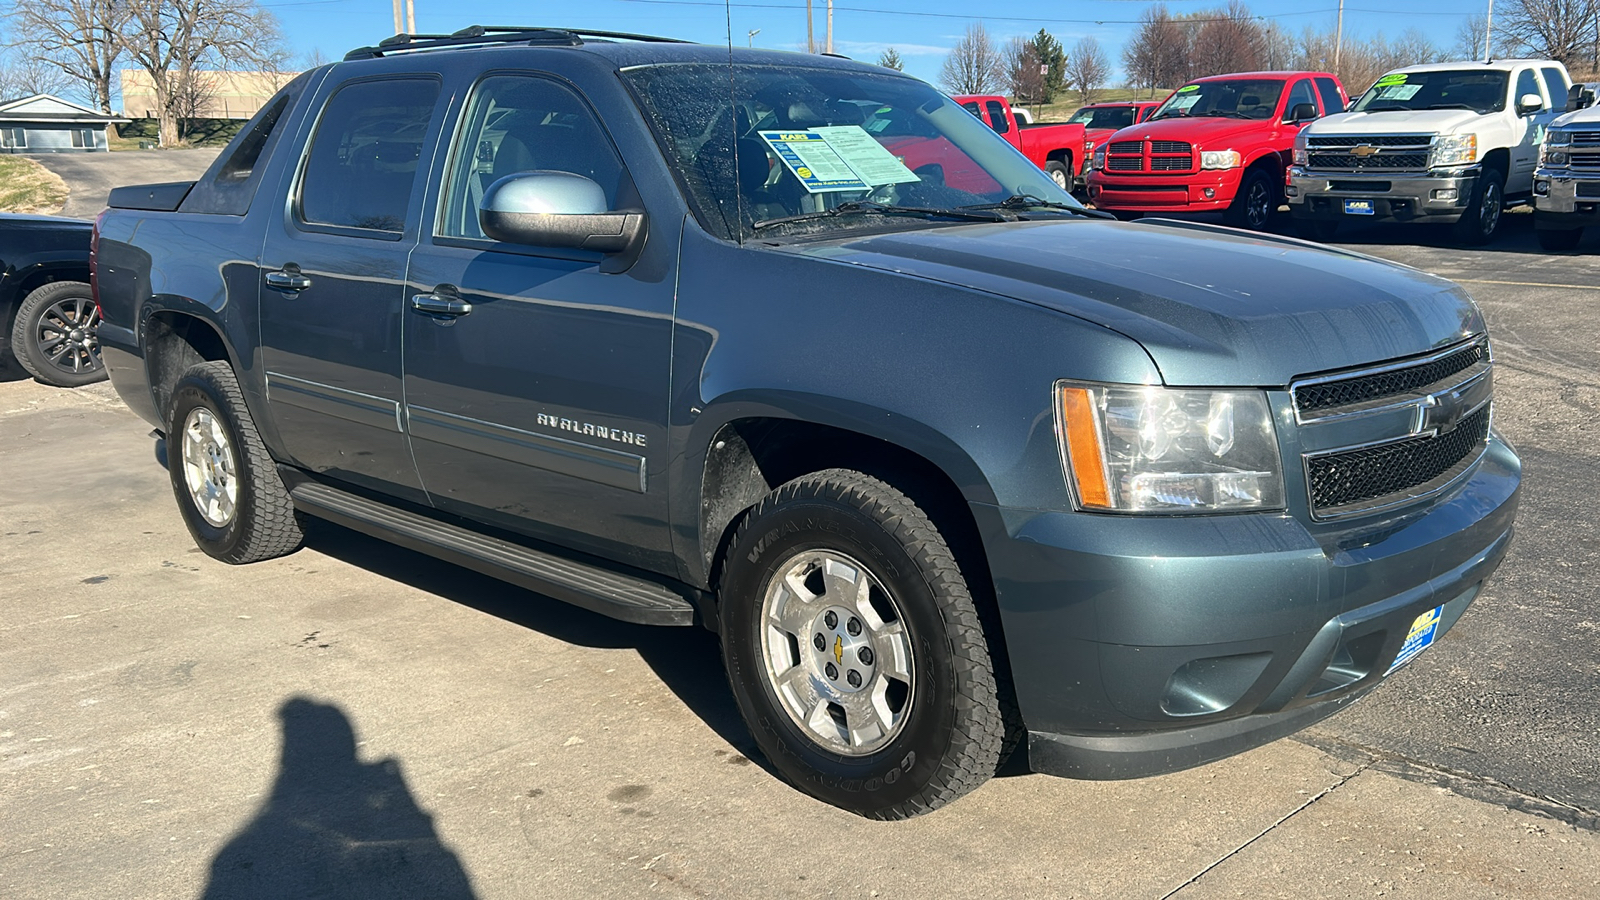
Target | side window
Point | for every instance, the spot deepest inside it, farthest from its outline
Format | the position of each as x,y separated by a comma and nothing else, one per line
230,183
520,123
971,106
1331,101
1557,85
363,160
1526,84
997,117
1300,93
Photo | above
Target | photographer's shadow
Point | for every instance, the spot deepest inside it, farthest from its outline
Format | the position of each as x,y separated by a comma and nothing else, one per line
335,826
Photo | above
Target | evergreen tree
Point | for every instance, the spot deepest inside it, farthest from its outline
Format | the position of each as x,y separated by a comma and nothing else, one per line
891,60
1053,57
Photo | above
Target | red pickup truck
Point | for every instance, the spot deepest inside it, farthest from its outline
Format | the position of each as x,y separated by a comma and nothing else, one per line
1101,120
1220,143
1057,149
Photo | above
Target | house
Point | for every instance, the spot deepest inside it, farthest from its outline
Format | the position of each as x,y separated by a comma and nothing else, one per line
213,95
46,124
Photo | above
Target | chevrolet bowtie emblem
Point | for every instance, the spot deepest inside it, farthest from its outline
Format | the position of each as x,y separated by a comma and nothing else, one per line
1362,151
838,650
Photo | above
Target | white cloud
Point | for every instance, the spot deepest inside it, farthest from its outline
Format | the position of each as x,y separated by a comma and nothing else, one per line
863,49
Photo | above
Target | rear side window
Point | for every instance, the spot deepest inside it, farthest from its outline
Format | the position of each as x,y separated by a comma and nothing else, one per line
1331,101
230,183
1557,85
522,123
1300,93
362,166
1526,84
997,117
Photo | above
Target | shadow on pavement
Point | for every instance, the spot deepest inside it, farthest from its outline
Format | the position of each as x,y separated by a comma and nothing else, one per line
687,660
335,826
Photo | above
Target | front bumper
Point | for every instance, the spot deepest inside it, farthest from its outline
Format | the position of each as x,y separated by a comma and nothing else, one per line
1143,645
1438,196
1564,200
1164,193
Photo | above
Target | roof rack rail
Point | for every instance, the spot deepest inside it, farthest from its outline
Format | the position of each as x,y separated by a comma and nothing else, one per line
497,34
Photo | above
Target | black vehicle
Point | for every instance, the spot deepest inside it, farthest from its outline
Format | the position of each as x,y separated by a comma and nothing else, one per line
46,307
797,349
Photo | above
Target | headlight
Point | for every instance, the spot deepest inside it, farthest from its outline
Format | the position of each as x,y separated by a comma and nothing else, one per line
1220,159
1453,150
1099,158
1302,156
1554,152
1156,450
1558,137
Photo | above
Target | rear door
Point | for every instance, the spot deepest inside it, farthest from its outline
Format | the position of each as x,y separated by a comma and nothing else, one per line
332,293
543,408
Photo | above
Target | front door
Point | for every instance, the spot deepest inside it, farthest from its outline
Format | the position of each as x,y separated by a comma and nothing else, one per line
332,292
540,405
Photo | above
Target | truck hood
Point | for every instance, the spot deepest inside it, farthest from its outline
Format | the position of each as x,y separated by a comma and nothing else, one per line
1404,121
1590,116
1211,305
1205,132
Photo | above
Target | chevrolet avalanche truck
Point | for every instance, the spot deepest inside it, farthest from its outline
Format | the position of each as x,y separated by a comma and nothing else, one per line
1566,186
1217,144
1450,143
668,333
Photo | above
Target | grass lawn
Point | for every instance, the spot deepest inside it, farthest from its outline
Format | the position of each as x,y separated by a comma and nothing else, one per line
1068,102
202,133
27,187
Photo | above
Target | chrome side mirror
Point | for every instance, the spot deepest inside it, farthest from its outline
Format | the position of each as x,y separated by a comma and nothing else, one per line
557,209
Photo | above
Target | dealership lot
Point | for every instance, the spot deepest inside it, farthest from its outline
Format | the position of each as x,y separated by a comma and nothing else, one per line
363,721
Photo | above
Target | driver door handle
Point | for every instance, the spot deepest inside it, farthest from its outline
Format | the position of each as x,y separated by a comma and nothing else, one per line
441,304
288,280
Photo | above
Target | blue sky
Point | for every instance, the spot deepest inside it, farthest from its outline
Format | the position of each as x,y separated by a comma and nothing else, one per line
922,31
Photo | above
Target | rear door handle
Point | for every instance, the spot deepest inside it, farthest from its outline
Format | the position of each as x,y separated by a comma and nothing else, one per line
288,280
440,305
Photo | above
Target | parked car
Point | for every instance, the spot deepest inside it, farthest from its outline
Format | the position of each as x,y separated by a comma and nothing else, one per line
1218,144
1449,143
1101,120
49,314
1566,186
947,471
1055,148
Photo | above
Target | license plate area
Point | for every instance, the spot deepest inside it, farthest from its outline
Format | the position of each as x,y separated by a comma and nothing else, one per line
1423,632
1359,208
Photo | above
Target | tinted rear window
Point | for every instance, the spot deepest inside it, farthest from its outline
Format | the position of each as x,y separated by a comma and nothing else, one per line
363,163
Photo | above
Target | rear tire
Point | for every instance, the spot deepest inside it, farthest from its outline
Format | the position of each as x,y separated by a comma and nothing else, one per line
1059,173
1255,204
55,335
1479,223
227,486
854,648
1562,241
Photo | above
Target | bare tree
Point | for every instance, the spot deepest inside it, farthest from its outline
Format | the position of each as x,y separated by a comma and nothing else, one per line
1022,70
81,38
1225,40
172,40
1087,68
315,57
1156,55
1564,30
974,66
1470,38
22,75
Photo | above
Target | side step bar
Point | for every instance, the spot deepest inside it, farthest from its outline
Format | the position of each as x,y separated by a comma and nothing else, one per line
620,596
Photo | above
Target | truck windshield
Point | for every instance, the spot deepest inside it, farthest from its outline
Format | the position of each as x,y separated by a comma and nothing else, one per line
1103,117
1245,98
1474,89
759,144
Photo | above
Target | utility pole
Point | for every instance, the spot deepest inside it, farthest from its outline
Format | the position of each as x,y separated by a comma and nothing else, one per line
811,41
411,17
399,18
1488,33
1338,37
830,26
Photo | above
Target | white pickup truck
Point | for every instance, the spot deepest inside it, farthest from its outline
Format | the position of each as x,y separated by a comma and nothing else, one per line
1566,187
1450,143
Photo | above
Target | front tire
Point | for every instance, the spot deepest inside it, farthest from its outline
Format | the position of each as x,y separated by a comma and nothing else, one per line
1478,224
55,336
1560,241
1255,204
854,648
226,484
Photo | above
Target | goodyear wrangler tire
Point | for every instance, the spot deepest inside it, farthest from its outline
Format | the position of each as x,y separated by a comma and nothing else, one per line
854,649
227,487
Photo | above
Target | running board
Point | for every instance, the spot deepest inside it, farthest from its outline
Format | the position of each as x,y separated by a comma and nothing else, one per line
620,596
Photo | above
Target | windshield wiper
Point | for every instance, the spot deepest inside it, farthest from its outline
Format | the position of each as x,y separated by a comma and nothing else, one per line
1453,106
1029,201
1221,112
864,207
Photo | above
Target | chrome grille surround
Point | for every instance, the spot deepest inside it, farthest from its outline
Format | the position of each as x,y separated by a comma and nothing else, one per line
1364,153
1434,412
1584,155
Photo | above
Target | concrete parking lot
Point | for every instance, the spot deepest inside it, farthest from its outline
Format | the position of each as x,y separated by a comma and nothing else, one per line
360,721
92,175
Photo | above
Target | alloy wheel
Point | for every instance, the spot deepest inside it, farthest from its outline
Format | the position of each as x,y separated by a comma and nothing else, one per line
209,469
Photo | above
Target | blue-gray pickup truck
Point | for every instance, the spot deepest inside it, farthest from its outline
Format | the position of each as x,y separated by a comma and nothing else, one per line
796,349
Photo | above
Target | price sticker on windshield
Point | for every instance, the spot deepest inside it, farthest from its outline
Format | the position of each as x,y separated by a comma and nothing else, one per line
1394,78
814,161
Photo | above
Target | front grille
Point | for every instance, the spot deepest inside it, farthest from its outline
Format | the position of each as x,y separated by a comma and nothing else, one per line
1378,161
1381,140
1154,156
1589,190
1362,389
1124,164
1586,139
1170,147
1373,473
1133,147
1171,163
